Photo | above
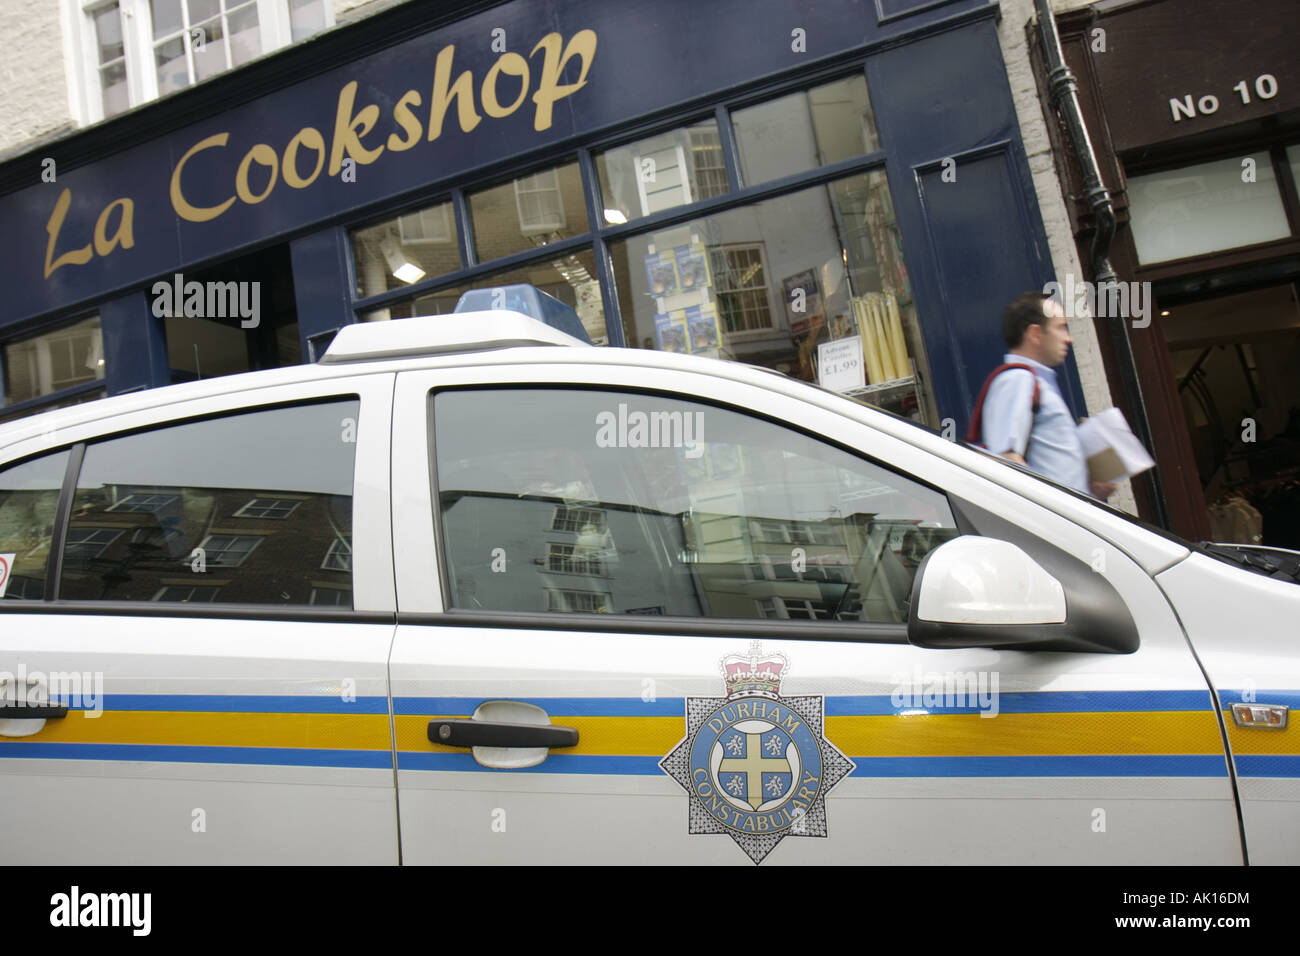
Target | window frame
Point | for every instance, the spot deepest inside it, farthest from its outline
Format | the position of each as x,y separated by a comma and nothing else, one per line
373,593
451,615
242,510
81,52
774,325
601,234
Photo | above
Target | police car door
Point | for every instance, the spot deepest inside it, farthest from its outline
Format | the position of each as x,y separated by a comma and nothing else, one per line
664,618
207,656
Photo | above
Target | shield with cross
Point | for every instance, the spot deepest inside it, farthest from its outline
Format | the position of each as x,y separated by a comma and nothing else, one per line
757,765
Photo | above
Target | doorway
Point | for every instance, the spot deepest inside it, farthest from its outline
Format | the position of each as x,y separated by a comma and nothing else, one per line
1236,359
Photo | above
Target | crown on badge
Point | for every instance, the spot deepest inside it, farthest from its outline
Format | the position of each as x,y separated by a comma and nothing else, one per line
754,674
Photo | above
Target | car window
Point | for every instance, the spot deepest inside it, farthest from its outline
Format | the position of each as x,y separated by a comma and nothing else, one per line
254,508
29,499
621,503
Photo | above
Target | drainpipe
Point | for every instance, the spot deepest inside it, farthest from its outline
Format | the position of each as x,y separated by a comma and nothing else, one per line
1063,92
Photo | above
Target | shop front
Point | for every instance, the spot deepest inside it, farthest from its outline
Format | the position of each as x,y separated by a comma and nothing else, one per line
1194,107
838,192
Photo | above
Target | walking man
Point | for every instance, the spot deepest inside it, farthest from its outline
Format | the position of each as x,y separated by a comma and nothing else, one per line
1022,415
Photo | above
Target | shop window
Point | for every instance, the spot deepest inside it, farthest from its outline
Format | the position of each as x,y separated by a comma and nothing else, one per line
29,498
805,130
1205,208
409,248
52,361
137,50
528,212
151,521
662,172
698,529
772,282
239,316
571,279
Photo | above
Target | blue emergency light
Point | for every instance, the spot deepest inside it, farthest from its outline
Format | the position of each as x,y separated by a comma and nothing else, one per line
529,300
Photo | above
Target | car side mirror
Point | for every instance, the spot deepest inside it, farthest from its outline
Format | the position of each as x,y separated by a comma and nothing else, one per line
974,591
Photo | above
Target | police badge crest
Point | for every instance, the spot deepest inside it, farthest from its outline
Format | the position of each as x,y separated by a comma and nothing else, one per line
756,766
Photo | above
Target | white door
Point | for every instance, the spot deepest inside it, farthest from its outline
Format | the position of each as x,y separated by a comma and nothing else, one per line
215,661
709,582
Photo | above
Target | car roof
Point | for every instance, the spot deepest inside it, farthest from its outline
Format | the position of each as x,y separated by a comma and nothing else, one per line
497,337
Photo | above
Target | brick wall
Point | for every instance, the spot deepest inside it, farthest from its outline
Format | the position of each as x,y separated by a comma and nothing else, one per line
35,100
1051,200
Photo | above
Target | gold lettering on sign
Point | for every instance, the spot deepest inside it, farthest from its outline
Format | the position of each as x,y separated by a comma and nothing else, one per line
444,90
179,203
351,126
347,135
406,119
549,91
76,257
515,65
124,237
313,140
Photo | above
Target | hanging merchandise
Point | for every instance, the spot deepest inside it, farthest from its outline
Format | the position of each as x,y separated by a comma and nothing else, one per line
897,343
883,345
870,341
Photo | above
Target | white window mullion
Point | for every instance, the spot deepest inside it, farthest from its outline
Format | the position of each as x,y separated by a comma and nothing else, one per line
139,55
273,24
78,52
141,83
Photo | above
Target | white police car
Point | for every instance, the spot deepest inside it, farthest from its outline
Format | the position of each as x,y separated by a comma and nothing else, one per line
467,590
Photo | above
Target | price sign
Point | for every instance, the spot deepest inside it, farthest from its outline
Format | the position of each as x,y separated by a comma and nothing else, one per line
839,364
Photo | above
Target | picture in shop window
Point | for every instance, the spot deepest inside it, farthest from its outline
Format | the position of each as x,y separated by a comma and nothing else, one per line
806,284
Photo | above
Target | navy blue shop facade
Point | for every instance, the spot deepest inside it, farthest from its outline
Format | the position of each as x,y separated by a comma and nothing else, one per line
807,189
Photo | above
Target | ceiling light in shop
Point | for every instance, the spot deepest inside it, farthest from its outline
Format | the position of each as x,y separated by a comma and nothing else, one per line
615,216
399,265
409,272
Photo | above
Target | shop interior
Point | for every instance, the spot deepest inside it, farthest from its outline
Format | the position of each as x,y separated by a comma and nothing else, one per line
1237,362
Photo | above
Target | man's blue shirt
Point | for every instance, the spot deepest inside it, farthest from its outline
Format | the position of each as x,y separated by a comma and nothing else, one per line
1009,423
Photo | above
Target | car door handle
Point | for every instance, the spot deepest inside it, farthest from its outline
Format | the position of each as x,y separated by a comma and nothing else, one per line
487,733
17,710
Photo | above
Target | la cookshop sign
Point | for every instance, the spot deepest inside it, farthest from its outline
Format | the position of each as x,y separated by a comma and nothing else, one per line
503,82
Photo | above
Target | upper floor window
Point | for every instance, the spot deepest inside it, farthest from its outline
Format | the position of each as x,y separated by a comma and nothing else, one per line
134,51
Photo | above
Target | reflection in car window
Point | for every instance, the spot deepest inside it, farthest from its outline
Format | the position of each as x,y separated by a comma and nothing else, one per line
620,503
253,508
29,498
